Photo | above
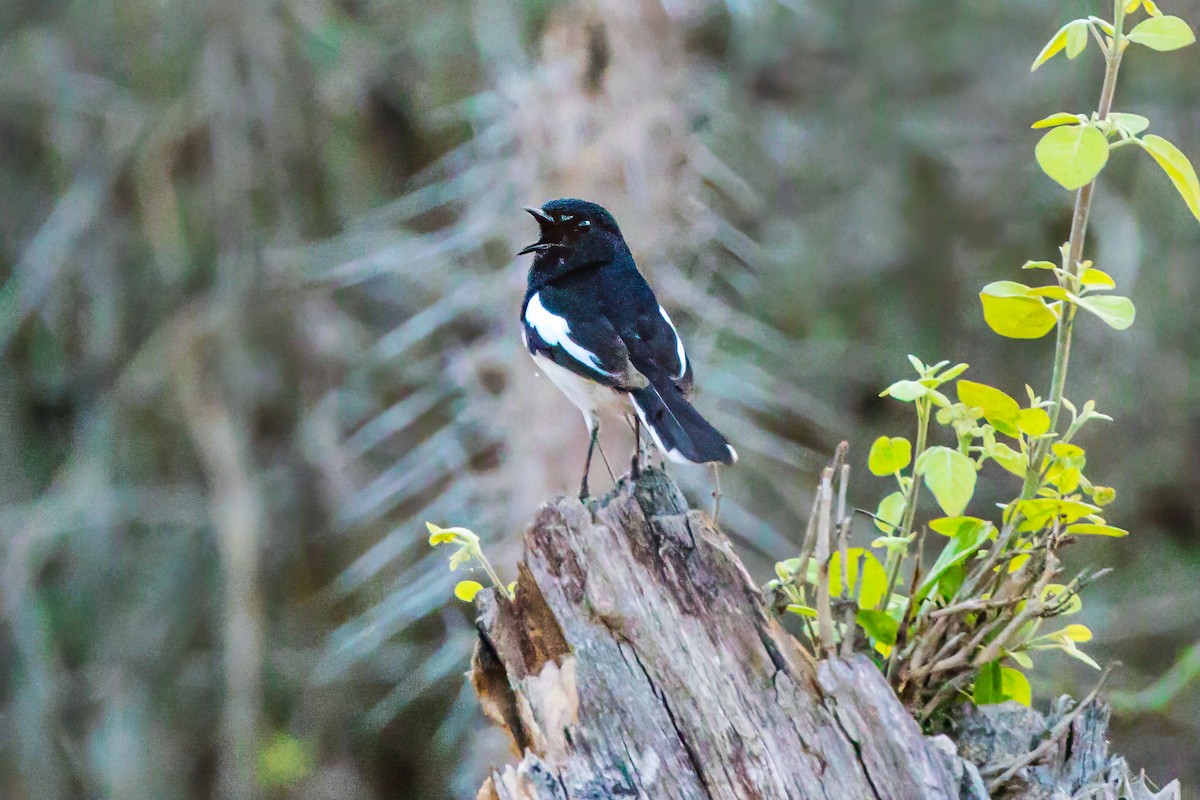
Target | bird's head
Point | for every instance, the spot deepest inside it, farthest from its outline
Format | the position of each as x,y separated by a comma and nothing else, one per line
574,233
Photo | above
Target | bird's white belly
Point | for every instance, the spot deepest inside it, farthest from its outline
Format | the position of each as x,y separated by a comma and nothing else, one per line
588,396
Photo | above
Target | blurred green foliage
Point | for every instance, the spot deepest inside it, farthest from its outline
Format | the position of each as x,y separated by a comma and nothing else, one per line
257,322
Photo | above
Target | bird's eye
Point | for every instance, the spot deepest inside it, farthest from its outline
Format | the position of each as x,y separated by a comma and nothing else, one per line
583,223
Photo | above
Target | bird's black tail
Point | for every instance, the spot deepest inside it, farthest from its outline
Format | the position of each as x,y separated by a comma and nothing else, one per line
678,429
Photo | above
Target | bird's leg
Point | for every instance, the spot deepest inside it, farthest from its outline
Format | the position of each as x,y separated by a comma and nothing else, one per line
583,488
716,493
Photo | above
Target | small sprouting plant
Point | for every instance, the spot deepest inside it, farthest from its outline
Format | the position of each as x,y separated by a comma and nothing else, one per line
969,623
468,551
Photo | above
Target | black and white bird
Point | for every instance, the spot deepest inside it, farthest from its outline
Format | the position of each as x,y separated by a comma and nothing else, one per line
595,328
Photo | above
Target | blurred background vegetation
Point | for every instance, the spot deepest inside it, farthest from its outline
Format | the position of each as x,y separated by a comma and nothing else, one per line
258,322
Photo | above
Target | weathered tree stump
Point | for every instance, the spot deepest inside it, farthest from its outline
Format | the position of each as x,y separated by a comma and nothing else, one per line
639,660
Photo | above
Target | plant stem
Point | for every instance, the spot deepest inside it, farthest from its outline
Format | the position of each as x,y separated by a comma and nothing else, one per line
910,501
1079,223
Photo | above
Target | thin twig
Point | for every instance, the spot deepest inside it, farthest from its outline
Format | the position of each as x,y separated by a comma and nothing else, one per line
824,522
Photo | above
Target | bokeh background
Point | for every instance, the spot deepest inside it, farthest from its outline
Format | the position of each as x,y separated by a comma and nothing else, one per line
258,322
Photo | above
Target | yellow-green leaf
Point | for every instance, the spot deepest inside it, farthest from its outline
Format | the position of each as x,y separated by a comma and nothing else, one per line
1008,458
998,408
1178,168
439,535
1090,529
871,586
1039,264
1042,511
1162,33
890,512
1033,421
1117,312
1014,313
1057,42
950,476
466,590
1076,632
1097,278
1073,155
1103,495
1151,8
889,455
1015,686
803,611
1077,37
1053,121
1049,292
953,526
1017,562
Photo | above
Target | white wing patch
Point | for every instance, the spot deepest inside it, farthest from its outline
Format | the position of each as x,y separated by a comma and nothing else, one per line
678,344
555,330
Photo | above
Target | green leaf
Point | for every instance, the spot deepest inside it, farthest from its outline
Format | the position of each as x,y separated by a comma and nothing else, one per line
1117,312
1132,124
1053,121
874,577
1073,156
998,408
1077,37
803,611
905,391
950,475
970,537
1014,313
879,625
466,590
1089,529
889,455
1022,658
1039,265
1070,649
1097,278
1057,42
1162,33
890,512
1178,169
997,684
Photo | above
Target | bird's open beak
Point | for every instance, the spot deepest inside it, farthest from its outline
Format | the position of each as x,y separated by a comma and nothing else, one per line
545,221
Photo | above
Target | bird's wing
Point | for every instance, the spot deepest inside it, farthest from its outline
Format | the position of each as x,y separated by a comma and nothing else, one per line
581,340
655,347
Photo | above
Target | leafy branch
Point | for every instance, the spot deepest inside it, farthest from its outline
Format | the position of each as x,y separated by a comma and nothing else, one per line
968,624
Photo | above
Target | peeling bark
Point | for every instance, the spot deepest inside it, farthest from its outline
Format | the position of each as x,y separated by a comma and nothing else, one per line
638,660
